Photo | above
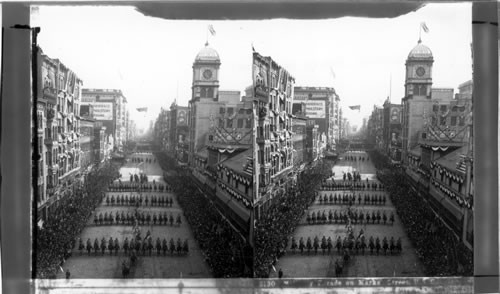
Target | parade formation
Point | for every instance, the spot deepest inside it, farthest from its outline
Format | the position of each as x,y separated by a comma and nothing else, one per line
350,219
130,223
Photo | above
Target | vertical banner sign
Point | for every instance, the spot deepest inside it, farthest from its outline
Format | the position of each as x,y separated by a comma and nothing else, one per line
260,74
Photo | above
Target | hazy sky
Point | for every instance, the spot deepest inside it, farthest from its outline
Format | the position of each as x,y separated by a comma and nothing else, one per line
151,59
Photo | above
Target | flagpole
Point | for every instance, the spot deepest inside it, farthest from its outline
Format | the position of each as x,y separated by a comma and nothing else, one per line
420,34
390,88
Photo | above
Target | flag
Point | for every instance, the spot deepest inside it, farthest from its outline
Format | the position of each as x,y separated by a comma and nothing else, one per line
142,109
354,107
60,267
274,269
332,72
424,27
211,29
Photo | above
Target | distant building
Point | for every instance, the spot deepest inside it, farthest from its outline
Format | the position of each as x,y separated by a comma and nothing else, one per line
392,143
312,141
299,141
87,124
100,143
179,133
110,106
162,130
323,106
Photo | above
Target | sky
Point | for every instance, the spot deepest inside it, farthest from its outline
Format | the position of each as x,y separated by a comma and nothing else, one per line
150,59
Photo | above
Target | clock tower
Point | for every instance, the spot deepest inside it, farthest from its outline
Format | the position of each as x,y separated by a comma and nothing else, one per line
418,79
206,75
417,98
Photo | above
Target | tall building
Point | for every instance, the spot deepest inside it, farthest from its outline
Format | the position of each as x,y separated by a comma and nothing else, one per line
418,82
392,143
87,124
110,109
217,140
205,90
100,143
299,138
58,110
322,105
273,150
179,133
162,130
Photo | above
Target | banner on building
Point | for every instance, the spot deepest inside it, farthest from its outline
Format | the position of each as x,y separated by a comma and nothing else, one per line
260,75
102,110
87,99
182,119
267,75
395,115
315,109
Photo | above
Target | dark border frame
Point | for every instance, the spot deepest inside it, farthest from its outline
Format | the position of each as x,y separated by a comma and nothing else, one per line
15,130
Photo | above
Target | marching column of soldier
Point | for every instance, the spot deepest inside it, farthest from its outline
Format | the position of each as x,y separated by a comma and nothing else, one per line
351,192
137,194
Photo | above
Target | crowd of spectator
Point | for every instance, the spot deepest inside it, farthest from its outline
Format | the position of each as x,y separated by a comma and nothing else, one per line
224,250
57,237
282,217
439,249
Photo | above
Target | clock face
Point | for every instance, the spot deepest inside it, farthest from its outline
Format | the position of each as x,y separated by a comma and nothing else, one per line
207,74
420,71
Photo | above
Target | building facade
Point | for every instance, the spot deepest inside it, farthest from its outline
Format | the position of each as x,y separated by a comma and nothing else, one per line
418,83
299,141
273,147
110,108
87,124
392,143
58,112
101,146
162,130
179,133
323,106
205,91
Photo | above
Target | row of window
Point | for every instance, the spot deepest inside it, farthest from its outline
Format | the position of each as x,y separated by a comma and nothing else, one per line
230,111
444,108
234,183
239,123
453,121
449,182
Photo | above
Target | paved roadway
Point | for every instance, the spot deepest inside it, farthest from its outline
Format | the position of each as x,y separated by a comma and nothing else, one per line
405,264
108,267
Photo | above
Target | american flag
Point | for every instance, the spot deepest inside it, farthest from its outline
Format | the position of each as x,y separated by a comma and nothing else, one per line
424,27
461,164
211,29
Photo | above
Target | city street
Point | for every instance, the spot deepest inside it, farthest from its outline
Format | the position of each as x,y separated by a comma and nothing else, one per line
192,265
367,265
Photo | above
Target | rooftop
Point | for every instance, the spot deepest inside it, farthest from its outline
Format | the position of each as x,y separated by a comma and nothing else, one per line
420,51
207,54
238,162
450,160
